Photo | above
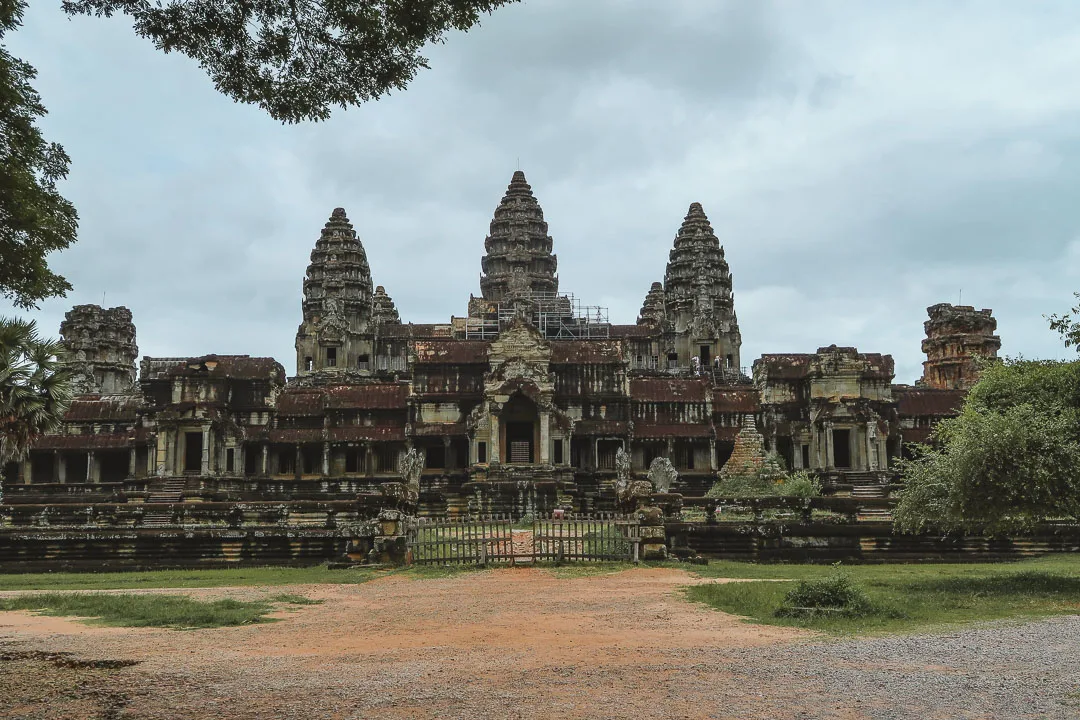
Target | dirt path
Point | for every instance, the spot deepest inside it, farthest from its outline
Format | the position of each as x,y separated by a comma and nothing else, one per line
511,643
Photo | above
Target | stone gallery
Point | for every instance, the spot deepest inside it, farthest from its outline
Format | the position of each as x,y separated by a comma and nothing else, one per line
519,407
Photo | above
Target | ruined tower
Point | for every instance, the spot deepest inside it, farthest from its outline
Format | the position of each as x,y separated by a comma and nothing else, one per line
335,333
101,348
955,336
697,295
518,255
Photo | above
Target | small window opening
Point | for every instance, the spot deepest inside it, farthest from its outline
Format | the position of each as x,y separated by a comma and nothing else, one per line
362,362
331,357
229,459
558,452
308,364
730,360
481,452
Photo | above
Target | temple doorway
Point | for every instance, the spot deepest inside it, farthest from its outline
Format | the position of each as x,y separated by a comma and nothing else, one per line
520,418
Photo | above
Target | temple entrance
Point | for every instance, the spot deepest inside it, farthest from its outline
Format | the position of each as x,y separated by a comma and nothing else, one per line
192,452
521,422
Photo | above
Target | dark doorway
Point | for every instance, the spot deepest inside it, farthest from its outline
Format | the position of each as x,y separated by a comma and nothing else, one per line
192,452
252,456
519,441
806,456
705,356
521,419
114,465
841,440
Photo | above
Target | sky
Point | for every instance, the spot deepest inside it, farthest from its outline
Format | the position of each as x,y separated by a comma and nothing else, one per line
858,161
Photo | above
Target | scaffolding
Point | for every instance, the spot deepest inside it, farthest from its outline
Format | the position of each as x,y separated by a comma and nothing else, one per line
556,316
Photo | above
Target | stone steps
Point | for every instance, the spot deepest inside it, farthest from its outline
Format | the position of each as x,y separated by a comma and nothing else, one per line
170,490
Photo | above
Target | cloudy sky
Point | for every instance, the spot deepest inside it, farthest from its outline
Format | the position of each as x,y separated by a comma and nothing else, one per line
859,161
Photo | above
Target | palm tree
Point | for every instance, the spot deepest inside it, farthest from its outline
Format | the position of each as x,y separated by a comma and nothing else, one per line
35,387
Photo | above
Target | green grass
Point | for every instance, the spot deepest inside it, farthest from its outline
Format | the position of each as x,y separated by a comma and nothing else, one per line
918,596
242,577
151,610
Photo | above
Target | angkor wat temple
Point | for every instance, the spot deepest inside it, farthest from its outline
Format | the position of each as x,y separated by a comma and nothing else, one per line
519,407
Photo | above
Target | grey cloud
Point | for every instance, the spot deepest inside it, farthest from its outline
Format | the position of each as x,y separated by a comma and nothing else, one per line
858,161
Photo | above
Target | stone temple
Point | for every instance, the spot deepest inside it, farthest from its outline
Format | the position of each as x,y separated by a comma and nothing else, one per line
519,406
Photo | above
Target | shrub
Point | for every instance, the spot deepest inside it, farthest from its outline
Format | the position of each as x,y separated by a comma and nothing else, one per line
835,594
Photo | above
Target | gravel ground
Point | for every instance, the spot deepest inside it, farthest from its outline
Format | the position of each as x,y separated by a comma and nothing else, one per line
523,644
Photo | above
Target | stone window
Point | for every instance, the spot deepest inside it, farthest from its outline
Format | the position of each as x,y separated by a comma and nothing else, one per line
557,454
229,459
331,357
308,364
362,362
481,452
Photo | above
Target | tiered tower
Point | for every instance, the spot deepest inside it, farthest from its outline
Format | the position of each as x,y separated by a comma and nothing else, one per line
101,349
335,333
698,297
955,336
652,313
518,258
383,310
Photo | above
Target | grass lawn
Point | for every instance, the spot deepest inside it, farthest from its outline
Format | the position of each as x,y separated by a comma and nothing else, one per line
911,597
231,577
172,611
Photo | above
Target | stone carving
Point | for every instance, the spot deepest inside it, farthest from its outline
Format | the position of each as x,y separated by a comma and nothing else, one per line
955,336
622,471
410,467
662,474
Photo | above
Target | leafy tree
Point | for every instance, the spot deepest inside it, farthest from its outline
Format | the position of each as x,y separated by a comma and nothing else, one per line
1011,458
1067,325
34,218
34,387
296,59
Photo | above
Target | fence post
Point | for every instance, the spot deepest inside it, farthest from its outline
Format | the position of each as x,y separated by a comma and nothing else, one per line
483,553
635,543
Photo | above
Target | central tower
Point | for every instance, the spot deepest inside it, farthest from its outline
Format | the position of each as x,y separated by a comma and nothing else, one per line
518,249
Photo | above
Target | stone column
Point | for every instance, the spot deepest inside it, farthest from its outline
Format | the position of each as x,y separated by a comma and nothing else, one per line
91,476
366,470
712,454
132,468
326,459
494,457
828,446
870,463
61,467
205,464
298,463
450,460
596,454
27,469
545,438
265,459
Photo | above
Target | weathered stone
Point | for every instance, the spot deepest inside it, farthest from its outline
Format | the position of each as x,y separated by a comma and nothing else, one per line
662,474
955,336
100,348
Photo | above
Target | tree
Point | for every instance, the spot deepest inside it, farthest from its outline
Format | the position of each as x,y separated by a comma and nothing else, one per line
34,387
35,219
1010,460
296,59
1067,325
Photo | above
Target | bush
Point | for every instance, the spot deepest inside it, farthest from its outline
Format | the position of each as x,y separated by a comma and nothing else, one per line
835,595
770,481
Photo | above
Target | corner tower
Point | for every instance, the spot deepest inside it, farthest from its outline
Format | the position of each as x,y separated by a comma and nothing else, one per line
101,349
337,305
698,298
955,336
518,255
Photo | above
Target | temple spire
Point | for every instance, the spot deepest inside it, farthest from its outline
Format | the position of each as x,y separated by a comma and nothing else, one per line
698,290
518,249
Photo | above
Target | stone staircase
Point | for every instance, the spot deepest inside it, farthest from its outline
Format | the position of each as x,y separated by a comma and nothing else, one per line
166,490
867,490
157,519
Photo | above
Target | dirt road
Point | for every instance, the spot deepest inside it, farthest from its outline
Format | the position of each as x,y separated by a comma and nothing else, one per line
510,643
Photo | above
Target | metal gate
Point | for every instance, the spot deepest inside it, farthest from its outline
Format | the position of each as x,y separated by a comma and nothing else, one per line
483,541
